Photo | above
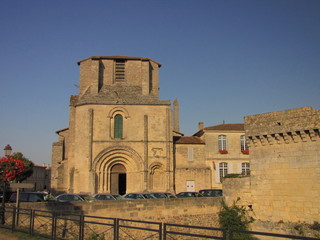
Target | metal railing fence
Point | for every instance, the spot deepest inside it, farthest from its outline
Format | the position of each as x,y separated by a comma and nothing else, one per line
61,226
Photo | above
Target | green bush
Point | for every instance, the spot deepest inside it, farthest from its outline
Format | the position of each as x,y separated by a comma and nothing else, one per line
235,218
94,236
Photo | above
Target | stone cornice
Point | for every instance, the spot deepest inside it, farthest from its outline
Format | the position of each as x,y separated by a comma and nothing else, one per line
298,136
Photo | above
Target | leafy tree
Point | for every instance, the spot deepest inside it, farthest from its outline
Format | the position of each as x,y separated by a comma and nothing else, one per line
28,166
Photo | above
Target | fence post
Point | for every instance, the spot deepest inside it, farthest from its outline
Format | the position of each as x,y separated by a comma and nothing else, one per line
160,231
116,229
164,231
54,223
13,224
31,223
81,227
230,234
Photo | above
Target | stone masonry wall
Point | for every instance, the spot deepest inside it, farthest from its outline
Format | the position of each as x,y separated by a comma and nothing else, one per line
191,211
234,188
285,165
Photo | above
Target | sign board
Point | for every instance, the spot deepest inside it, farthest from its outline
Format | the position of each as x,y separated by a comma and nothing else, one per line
22,185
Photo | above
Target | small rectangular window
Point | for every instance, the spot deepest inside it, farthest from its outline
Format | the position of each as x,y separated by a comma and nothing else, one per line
245,168
190,154
222,142
223,170
243,143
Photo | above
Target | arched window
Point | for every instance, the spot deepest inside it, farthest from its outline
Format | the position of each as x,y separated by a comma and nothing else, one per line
118,126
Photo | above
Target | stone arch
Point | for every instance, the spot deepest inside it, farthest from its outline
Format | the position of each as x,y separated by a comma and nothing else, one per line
111,156
157,177
118,110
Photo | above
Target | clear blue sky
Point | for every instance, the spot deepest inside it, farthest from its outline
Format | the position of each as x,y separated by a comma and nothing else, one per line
222,59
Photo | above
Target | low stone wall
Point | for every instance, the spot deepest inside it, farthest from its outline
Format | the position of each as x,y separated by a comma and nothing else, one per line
189,211
234,188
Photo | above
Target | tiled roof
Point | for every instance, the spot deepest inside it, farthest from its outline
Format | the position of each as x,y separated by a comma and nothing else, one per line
222,127
119,57
227,127
188,140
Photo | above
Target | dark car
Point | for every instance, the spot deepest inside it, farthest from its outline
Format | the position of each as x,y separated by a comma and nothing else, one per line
170,195
68,197
162,195
211,192
107,196
29,197
138,196
189,194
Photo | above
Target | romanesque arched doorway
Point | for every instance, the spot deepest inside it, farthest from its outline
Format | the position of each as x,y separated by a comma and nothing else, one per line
118,169
118,179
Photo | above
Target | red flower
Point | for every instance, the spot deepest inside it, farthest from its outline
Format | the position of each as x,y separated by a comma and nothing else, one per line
223,151
245,151
10,168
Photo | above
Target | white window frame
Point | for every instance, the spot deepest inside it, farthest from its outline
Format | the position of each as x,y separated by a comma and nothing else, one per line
223,170
222,142
245,168
243,143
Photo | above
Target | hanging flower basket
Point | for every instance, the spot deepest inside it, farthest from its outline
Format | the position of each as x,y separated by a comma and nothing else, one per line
245,151
223,151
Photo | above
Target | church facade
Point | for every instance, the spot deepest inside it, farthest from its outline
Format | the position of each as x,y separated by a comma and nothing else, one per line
122,138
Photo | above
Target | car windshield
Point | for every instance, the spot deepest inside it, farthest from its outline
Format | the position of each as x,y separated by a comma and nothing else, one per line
118,197
148,196
158,195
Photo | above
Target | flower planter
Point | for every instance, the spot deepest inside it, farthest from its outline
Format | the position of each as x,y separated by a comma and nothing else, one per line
224,151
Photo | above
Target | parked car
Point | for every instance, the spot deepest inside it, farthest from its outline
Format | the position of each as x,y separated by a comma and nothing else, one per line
138,196
29,197
189,194
67,197
211,192
107,196
148,196
162,195
170,195
158,195
133,196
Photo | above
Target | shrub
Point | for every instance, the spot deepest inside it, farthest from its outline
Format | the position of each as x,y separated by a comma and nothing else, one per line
235,218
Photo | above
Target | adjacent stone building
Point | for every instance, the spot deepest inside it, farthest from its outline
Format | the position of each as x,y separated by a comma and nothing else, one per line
285,165
226,150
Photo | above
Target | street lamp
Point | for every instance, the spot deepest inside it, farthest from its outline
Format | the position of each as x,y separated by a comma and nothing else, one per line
7,153
7,150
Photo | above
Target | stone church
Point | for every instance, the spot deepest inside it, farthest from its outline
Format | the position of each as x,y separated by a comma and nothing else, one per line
121,137
120,134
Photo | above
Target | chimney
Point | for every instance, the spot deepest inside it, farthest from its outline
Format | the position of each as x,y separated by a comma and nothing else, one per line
176,115
200,125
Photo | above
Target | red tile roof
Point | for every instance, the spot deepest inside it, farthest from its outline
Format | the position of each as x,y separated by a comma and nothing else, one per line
227,127
222,127
188,140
